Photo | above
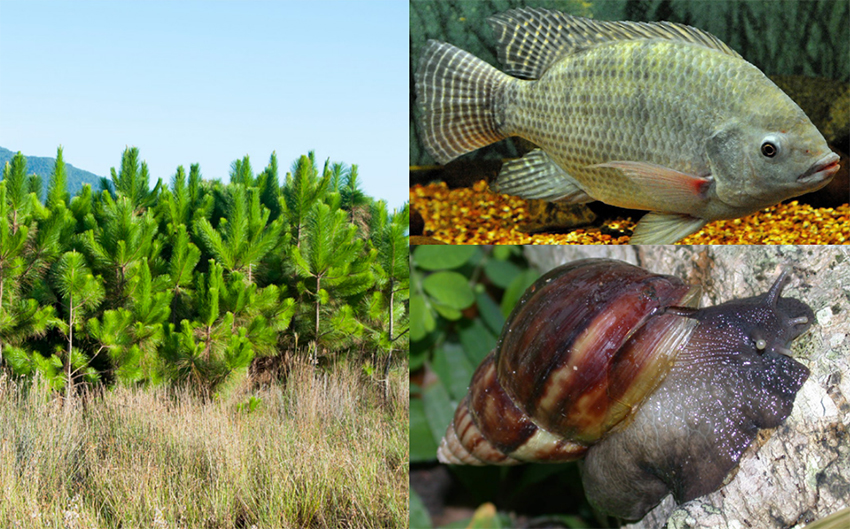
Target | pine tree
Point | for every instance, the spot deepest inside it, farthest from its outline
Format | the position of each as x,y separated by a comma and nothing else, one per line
12,264
81,207
387,305
301,191
132,334
185,202
241,173
24,204
338,172
181,265
15,176
57,188
331,258
55,228
117,239
80,292
133,181
352,195
263,312
23,260
244,236
35,185
190,284
209,349
269,186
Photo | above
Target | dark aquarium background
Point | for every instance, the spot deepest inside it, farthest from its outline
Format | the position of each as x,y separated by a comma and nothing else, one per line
804,46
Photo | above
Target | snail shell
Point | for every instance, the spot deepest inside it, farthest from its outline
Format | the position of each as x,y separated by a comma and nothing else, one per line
608,361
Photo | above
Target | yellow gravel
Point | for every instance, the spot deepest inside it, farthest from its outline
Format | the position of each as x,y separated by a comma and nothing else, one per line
477,216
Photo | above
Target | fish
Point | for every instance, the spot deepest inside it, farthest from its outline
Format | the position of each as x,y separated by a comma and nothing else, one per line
656,116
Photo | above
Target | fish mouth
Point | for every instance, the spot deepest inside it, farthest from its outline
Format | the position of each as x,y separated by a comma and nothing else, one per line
821,170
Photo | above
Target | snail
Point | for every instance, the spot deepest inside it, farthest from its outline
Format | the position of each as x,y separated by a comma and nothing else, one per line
607,361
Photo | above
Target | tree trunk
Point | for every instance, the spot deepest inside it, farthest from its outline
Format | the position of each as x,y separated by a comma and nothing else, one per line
799,471
69,390
391,340
315,358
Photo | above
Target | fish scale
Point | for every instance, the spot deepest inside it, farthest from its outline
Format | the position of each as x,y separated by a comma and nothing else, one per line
655,116
569,113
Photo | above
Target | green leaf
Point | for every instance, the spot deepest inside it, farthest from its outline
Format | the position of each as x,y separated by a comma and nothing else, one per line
422,321
448,313
505,252
516,289
454,368
450,289
422,444
442,257
439,410
419,517
490,312
501,273
477,340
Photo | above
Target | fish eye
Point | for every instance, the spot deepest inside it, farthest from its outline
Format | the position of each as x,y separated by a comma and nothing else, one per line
768,149
770,146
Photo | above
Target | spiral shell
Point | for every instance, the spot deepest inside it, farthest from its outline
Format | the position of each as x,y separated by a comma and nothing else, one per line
582,349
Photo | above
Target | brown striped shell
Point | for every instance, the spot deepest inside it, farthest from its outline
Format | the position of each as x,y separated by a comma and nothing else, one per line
607,361
585,345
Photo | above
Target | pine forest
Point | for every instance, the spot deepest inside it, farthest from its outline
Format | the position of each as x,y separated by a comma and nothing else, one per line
211,348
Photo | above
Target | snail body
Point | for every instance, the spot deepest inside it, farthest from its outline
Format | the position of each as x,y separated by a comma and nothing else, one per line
604,360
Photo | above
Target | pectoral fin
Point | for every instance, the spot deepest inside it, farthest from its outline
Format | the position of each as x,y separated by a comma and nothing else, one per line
665,228
678,191
537,176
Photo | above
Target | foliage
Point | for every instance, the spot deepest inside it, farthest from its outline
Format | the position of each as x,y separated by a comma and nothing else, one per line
44,166
329,266
190,283
80,293
389,321
245,235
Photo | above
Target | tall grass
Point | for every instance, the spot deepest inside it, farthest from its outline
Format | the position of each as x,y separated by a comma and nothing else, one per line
325,450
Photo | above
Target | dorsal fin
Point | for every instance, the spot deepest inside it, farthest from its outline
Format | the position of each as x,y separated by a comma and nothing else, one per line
530,40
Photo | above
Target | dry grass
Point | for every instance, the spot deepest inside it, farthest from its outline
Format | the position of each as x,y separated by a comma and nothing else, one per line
323,451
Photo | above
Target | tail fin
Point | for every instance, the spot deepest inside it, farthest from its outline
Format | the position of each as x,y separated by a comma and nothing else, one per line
457,93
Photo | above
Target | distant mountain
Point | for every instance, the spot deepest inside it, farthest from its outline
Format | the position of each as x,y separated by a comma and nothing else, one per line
43,167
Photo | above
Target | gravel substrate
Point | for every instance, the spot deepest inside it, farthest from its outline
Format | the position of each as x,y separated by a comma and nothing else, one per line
477,216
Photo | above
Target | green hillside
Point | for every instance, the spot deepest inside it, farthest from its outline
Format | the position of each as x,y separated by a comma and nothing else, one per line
43,167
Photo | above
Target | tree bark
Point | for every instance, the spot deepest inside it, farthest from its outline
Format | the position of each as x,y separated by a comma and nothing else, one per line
390,336
315,359
800,471
69,390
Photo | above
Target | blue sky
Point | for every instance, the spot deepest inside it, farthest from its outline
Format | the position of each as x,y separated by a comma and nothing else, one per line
209,82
